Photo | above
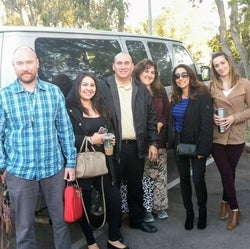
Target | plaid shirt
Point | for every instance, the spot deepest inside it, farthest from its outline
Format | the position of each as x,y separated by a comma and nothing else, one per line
37,138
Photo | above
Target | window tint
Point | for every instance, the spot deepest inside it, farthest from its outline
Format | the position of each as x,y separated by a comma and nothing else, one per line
182,56
160,55
137,50
72,56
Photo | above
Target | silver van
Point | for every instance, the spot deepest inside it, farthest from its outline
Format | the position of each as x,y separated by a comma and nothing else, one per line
70,51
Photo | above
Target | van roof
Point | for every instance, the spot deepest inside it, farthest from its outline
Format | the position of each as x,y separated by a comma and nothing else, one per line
76,31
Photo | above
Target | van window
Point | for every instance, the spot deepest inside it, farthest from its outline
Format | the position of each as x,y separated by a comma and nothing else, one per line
72,56
137,50
160,55
182,56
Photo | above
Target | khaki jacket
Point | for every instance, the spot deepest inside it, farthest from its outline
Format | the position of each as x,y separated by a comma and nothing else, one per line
237,104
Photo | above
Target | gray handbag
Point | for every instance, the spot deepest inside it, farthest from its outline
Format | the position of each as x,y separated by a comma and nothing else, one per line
90,163
186,149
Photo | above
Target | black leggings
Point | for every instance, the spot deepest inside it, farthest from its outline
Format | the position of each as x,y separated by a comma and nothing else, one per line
184,164
113,209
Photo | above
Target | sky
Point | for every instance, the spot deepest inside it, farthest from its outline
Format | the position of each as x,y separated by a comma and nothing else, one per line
204,19
138,10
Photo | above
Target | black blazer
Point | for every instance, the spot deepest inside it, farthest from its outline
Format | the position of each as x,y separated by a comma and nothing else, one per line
197,126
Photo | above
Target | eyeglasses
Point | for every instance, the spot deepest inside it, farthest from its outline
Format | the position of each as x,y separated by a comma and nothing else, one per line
182,75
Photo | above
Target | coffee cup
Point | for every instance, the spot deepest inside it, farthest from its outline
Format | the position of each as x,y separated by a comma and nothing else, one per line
108,146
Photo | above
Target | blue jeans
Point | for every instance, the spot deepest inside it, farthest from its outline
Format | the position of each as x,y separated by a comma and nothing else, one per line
24,195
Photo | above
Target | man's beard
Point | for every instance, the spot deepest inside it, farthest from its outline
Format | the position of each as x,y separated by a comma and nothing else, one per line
26,80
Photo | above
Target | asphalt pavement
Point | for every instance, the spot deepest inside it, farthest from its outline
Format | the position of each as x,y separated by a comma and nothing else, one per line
171,233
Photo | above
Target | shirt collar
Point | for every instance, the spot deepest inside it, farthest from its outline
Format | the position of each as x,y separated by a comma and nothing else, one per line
39,86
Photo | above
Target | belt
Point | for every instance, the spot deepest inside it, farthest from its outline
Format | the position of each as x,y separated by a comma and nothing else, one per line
128,141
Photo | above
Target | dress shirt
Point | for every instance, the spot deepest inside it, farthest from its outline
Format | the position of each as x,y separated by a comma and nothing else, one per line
37,138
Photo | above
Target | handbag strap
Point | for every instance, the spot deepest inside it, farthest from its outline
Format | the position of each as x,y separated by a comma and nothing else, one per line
85,143
104,209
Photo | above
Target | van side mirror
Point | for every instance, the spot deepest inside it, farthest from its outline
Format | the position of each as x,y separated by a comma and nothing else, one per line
205,73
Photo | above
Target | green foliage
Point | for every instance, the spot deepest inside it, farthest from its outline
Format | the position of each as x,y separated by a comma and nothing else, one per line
159,25
245,24
102,14
215,45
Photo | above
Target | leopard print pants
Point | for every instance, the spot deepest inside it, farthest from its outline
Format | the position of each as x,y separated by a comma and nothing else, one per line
158,172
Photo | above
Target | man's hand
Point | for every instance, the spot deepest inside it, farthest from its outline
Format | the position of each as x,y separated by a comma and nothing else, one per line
3,177
70,174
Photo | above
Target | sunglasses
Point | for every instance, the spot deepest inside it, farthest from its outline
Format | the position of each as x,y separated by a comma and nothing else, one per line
182,75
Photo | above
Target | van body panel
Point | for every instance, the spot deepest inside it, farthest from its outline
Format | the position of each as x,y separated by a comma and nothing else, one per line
70,51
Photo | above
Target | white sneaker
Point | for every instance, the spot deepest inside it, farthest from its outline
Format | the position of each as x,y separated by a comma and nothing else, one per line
162,214
149,218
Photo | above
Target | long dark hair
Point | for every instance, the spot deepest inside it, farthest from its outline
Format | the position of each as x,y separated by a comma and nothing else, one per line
98,103
195,87
141,66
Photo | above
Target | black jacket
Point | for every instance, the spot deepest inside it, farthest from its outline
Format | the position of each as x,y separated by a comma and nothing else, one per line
79,126
197,126
145,122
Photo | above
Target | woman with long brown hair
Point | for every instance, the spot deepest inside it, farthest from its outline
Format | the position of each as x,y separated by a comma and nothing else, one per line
146,72
191,122
88,112
232,92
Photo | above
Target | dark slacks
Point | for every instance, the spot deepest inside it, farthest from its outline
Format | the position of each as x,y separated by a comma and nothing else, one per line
184,164
226,158
130,169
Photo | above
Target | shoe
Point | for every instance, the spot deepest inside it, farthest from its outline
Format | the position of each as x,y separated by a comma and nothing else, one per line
149,218
147,228
189,223
202,220
120,237
110,246
224,210
234,219
162,214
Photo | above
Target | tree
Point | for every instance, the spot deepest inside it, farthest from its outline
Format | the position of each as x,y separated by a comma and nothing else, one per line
181,21
237,36
95,14
20,12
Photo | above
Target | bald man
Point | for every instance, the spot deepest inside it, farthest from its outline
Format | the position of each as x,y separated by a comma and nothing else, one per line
134,120
37,149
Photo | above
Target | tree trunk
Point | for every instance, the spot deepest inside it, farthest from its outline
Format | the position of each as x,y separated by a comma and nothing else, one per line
237,41
223,27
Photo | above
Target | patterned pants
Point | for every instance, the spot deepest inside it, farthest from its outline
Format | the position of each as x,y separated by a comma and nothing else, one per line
158,172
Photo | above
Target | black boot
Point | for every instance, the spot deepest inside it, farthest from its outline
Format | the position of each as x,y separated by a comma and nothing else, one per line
202,221
189,224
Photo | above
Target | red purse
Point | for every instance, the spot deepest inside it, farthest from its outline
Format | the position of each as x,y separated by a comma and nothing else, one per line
73,204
